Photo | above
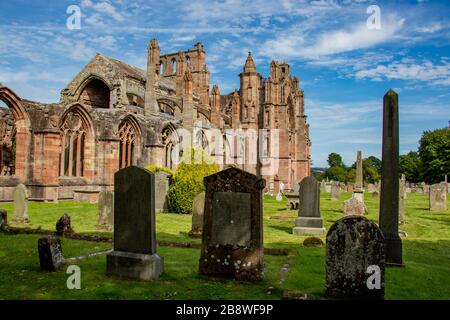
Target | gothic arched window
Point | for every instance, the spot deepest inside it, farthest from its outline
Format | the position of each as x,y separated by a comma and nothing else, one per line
128,136
174,66
170,141
73,135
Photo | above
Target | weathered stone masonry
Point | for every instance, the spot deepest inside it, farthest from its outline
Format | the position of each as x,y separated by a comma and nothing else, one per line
113,115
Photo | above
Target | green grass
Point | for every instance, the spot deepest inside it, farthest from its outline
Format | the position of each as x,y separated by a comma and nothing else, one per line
426,253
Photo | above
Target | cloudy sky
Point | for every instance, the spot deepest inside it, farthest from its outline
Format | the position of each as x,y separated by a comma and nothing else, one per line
345,66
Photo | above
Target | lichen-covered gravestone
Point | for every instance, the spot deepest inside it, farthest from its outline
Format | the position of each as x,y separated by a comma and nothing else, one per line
20,196
198,206
438,197
232,242
353,207
162,183
309,220
355,259
64,225
106,210
134,254
50,253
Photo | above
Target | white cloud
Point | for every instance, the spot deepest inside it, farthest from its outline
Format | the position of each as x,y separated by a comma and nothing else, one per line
409,69
431,28
293,44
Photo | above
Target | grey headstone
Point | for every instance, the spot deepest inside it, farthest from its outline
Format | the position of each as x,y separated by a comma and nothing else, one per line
20,197
50,253
162,183
354,245
359,171
322,186
389,206
438,197
134,254
232,243
335,191
401,200
309,220
106,209
198,206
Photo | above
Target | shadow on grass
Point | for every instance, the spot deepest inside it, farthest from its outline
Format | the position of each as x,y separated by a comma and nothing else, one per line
282,228
440,218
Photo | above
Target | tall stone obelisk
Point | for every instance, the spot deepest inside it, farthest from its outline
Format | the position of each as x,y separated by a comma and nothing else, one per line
358,193
389,197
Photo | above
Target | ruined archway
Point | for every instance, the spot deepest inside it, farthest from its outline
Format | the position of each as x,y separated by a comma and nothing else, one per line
95,93
14,135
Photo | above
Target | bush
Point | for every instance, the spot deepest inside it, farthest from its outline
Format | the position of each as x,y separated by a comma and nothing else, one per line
187,181
156,169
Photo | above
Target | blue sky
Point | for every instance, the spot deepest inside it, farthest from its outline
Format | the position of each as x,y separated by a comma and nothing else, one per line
344,67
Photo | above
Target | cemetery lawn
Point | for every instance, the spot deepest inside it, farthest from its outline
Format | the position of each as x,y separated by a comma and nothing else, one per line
426,253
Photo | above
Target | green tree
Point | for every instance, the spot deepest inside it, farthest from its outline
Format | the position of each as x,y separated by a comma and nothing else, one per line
375,163
409,165
336,174
335,160
434,155
371,174
351,175
370,171
187,180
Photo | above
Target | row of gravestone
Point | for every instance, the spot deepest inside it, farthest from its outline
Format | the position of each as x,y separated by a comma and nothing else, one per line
232,237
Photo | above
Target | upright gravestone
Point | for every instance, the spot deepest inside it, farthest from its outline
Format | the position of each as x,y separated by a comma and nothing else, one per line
353,206
389,197
292,197
401,199
3,219
64,225
355,259
50,253
358,193
134,254
322,186
106,210
309,220
438,197
335,191
20,196
371,188
162,183
232,242
198,206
